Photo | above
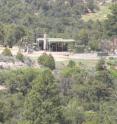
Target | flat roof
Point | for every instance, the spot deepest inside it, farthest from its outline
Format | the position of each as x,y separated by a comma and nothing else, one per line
54,40
60,40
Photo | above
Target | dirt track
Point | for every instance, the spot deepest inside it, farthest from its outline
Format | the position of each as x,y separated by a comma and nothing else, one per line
62,56
59,56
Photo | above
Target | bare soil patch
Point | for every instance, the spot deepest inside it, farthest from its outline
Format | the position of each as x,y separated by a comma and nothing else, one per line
2,88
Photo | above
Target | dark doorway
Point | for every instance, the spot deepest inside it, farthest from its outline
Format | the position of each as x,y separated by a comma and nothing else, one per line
59,47
41,45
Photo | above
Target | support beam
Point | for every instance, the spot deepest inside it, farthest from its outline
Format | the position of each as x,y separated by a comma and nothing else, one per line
45,42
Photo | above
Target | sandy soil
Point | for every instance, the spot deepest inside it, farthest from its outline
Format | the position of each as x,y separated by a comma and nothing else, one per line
2,88
62,56
58,56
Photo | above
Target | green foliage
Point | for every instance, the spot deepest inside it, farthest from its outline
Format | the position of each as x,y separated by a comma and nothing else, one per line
73,113
19,80
101,65
57,18
83,37
71,64
110,23
112,62
92,5
47,61
42,104
89,88
74,95
113,72
80,49
6,52
103,74
11,34
7,105
100,15
20,56
94,45
1,34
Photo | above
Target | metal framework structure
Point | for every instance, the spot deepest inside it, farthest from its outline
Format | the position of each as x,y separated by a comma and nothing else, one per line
53,44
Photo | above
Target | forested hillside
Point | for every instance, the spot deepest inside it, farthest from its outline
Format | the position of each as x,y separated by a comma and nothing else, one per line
58,18
38,91
75,94
51,16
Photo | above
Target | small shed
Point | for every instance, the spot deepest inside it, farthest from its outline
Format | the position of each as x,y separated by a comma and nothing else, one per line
54,44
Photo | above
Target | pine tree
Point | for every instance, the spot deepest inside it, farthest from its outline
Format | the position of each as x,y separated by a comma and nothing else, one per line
42,105
111,22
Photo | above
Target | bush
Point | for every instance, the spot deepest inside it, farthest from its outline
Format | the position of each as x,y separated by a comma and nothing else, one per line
71,63
101,65
47,60
7,52
80,49
112,61
20,56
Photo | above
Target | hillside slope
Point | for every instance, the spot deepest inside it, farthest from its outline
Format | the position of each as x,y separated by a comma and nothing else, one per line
99,15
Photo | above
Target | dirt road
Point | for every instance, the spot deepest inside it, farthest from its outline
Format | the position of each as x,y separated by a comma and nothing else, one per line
59,56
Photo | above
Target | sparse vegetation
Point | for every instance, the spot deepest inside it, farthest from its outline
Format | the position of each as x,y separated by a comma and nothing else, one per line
20,56
7,52
99,15
71,63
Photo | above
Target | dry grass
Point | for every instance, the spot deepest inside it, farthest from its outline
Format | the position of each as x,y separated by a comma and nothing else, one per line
100,15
